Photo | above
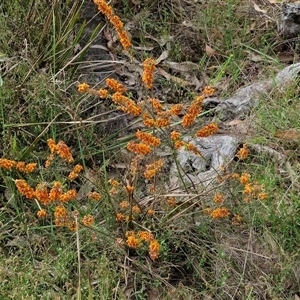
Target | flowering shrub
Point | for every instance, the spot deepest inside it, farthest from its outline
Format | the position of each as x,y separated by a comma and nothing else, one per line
139,226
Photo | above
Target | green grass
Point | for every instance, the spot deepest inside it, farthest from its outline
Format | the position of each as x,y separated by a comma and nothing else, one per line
199,257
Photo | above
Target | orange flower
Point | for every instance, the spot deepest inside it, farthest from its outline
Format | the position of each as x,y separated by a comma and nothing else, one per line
83,87
148,138
145,236
219,198
154,248
49,160
162,122
113,182
69,195
176,109
115,85
127,105
75,172
104,7
30,167
7,164
243,152
41,193
124,204
148,74
133,242
192,148
124,39
129,189
136,209
262,196
152,169
247,189
116,22
236,220
221,212
148,122
150,212
179,144
41,213
72,226
88,220
64,152
61,216
94,196
192,112
235,175
175,135
207,130
156,104
208,91
55,192
60,212
24,188
245,177
120,217
102,93
139,148
171,202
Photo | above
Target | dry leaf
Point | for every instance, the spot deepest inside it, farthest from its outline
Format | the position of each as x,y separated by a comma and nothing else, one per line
257,8
210,51
291,134
181,67
234,122
162,57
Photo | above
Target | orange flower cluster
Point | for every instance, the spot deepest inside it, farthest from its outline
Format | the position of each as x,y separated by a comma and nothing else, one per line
120,217
20,166
127,105
154,248
55,191
156,104
94,196
42,194
196,107
220,212
85,88
41,213
207,130
148,138
67,196
219,198
135,241
192,112
175,135
176,109
124,204
82,88
152,169
75,172
148,121
115,21
115,85
171,202
61,216
251,190
60,149
88,220
243,152
148,74
138,148
25,189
